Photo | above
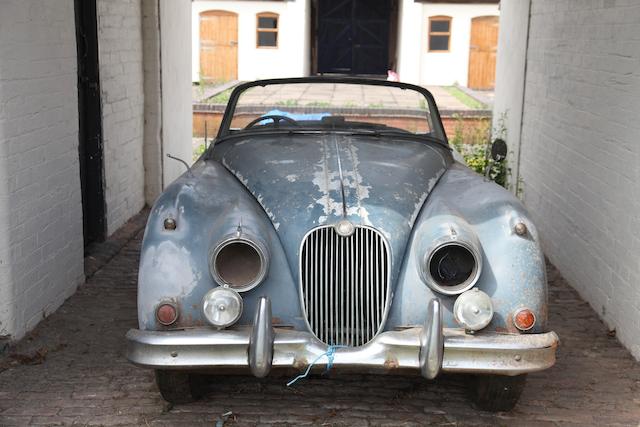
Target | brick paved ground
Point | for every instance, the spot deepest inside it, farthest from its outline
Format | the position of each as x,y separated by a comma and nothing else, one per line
80,376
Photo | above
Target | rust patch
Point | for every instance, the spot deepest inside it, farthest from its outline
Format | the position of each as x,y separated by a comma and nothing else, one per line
185,317
390,364
300,363
511,328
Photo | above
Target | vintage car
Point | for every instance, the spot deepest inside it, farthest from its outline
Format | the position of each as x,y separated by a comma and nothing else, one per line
330,226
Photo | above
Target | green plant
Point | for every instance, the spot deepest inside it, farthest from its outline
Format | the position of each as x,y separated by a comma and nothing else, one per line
288,103
473,142
322,104
198,151
464,98
220,97
200,85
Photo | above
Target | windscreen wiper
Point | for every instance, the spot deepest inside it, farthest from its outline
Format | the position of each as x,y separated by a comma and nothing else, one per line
399,134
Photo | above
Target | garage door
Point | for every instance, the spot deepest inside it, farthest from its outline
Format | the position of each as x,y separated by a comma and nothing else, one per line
218,46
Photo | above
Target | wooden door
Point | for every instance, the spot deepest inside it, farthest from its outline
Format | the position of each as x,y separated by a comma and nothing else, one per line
218,46
353,36
482,52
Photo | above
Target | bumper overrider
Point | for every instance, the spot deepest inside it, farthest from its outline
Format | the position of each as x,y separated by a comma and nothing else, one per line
431,349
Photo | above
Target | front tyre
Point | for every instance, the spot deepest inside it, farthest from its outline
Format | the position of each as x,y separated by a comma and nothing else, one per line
497,392
178,387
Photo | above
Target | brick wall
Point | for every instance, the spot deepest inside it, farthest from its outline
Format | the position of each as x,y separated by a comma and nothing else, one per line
152,101
41,247
122,86
580,158
451,123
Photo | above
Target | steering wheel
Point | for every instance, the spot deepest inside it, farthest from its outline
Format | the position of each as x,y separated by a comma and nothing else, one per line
276,120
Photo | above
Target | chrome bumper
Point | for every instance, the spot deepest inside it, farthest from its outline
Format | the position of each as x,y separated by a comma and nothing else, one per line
430,349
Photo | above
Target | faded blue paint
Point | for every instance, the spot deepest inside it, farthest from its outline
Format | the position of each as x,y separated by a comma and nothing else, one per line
513,273
297,181
281,187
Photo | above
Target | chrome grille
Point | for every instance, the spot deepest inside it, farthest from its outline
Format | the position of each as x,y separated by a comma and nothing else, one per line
345,284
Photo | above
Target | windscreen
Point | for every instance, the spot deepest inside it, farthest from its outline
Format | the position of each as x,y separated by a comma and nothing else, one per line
329,105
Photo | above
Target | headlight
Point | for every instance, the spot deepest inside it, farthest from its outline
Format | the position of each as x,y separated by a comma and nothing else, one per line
453,267
239,262
473,310
222,307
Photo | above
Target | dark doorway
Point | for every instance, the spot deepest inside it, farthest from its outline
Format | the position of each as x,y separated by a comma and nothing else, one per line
353,36
90,122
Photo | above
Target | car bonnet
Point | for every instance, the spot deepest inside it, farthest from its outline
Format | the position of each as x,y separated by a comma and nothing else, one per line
306,181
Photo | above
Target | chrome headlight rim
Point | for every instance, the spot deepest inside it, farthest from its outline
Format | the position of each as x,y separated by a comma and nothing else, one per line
256,245
469,283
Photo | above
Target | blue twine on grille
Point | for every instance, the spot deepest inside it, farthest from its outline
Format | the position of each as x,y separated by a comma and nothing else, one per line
330,353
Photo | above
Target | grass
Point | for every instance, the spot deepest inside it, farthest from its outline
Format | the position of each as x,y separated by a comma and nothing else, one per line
288,103
220,98
464,98
323,104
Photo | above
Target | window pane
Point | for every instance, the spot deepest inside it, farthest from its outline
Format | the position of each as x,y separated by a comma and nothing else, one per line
439,43
269,39
440,26
267,22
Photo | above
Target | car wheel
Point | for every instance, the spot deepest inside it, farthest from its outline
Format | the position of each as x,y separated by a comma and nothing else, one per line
180,387
497,392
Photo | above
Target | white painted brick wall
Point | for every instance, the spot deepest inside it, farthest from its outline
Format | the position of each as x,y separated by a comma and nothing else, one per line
122,86
581,150
152,101
41,246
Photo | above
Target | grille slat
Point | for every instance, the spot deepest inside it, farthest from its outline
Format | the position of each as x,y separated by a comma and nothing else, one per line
345,284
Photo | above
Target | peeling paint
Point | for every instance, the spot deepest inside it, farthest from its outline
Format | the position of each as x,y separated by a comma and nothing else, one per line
327,183
423,198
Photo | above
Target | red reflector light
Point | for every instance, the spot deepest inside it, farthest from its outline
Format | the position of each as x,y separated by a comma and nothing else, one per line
166,314
524,319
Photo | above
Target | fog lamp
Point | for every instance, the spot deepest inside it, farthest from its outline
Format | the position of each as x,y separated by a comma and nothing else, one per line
222,307
473,309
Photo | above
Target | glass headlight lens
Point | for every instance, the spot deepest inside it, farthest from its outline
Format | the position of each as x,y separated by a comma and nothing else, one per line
473,310
222,307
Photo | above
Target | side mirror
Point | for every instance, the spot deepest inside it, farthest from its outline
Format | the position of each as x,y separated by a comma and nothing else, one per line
499,150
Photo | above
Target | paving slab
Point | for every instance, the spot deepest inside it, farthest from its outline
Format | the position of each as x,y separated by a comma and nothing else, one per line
342,95
74,372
